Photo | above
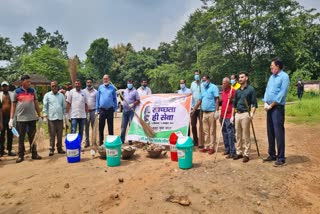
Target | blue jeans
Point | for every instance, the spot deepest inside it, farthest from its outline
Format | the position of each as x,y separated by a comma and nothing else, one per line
228,136
74,123
89,120
126,118
275,129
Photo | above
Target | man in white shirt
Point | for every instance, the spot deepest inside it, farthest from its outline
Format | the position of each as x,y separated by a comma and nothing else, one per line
91,95
77,108
144,89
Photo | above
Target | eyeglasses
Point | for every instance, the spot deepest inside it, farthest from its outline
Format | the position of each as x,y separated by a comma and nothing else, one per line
53,86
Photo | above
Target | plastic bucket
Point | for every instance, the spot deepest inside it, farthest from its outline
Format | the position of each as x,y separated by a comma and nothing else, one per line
113,150
185,151
73,147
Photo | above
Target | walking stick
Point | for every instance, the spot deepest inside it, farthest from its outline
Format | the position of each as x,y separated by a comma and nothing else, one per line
251,122
223,119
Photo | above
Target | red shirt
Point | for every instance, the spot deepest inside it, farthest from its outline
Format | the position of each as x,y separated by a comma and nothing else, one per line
225,95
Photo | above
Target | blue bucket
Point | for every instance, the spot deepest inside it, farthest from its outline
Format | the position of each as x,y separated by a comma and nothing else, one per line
73,146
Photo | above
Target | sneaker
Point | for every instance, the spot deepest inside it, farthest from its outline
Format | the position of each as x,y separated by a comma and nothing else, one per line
12,154
237,157
36,157
210,151
204,150
245,159
19,159
51,153
269,159
279,163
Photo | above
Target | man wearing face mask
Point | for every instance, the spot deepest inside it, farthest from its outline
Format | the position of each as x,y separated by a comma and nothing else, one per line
197,114
275,100
183,88
234,82
209,101
106,105
91,95
131,100
144,89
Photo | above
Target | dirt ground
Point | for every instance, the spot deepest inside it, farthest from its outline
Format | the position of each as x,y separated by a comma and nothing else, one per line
51,185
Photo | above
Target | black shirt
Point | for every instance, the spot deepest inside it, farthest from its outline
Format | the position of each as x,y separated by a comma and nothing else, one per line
247,93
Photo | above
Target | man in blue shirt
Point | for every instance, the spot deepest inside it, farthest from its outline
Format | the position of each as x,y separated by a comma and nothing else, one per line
131,100
197,115
209,101
183,88
275,100
106,105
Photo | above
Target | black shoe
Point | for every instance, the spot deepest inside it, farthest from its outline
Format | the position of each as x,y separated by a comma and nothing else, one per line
51,153
230,156
61,151
12,154
20,159
36,157
237,157
200,147
279,163
226,153
130,142
245,159
269,159
86,146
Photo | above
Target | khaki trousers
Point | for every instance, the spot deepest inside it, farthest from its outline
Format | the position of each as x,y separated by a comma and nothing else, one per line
209,129
242,123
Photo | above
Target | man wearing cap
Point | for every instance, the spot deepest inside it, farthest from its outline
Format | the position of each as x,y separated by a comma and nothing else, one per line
6,97
54,108
23,106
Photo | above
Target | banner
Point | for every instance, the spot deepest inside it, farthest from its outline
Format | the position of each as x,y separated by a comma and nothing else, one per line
165,113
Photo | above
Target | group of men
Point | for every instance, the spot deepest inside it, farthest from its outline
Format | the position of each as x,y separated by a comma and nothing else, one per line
20,109
238,104
81,107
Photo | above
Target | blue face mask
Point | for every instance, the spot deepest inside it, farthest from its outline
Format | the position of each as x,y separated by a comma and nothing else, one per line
196,77
205,84
182,86
233,81
129,85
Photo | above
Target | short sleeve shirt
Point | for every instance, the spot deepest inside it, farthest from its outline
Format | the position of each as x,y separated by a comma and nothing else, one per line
77,99
208,97
25,108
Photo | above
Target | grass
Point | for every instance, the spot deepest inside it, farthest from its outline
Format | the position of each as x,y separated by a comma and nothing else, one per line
305,111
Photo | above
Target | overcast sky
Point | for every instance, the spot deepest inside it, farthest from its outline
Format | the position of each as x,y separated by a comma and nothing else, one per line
141,22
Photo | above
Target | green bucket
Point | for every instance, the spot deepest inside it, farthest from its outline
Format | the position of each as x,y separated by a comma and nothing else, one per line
113,150
185,150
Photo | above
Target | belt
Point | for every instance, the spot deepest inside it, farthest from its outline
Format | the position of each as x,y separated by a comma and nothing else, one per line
92,110
240,112
207,111
105,109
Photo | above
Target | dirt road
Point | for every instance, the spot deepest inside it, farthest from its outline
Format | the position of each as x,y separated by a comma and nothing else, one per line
51,185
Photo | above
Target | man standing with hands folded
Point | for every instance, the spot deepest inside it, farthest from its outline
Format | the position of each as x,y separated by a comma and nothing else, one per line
275,100
209,101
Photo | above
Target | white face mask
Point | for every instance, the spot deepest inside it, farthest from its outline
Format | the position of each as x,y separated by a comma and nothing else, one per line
182,86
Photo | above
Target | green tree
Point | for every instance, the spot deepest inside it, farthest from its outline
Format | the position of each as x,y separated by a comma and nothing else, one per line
49,62
6,49
100,56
